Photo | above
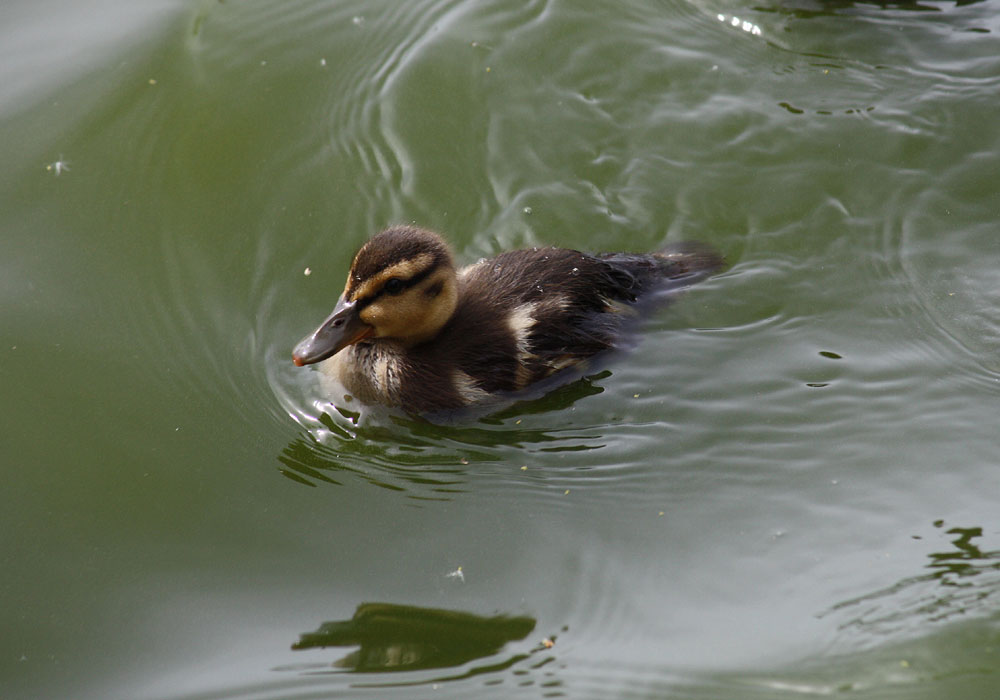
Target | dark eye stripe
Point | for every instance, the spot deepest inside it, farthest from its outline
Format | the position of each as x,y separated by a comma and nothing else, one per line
407,283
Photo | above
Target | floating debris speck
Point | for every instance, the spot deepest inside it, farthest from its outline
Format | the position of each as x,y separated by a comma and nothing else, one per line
58,167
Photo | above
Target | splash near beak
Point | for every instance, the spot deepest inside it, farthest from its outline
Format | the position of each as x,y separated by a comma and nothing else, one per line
342,328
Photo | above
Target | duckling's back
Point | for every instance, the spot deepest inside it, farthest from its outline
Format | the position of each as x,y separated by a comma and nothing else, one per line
528,314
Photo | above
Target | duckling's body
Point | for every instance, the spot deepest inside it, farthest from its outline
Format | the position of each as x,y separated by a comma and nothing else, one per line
411,331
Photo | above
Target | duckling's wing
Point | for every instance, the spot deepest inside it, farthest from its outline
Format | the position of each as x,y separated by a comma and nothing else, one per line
528,314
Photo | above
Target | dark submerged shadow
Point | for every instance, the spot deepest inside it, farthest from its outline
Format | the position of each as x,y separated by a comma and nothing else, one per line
394,637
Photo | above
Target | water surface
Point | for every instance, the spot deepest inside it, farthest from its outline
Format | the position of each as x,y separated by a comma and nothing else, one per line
787,489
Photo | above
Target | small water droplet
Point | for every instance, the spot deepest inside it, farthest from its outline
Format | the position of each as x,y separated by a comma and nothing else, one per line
527,210
539,287
575,271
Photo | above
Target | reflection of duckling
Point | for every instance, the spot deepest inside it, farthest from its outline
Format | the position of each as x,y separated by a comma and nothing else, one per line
406,637
412,331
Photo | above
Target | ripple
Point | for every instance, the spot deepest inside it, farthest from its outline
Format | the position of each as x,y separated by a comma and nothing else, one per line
948,267
423,459
960,583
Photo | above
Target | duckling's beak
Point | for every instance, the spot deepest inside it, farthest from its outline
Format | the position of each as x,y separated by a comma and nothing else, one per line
342,328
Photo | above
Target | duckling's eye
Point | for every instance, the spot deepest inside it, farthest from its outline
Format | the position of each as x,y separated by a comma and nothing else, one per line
393,286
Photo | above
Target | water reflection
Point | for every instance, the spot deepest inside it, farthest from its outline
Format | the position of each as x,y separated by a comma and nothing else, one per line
961,581
394,637
819,8
427,458
308,461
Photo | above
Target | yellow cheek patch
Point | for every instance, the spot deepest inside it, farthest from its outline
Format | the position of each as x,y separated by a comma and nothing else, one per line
404,270
394,317
414,315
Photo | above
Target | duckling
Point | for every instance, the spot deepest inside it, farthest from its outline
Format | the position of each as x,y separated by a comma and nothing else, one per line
411,330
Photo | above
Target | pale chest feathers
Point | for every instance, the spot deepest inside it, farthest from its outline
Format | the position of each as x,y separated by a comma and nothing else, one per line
372,373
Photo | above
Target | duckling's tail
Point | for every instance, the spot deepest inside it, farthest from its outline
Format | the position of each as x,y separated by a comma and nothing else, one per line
677,266
688,262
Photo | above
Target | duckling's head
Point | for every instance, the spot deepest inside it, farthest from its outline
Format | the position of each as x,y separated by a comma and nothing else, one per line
401,287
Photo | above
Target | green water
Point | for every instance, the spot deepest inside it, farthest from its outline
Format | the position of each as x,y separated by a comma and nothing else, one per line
788,489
